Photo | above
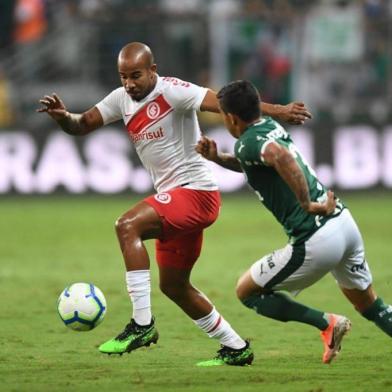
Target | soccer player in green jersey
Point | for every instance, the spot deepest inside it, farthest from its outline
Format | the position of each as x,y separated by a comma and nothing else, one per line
323,236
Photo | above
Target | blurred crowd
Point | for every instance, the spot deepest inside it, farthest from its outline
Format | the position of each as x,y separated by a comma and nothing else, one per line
271,42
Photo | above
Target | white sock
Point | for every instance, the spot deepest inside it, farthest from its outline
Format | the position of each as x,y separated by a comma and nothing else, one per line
139,289
215,326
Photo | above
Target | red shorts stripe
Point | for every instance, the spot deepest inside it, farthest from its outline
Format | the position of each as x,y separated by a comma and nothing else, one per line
185,213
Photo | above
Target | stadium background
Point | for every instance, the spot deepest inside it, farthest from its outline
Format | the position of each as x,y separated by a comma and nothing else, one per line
333,55
60,196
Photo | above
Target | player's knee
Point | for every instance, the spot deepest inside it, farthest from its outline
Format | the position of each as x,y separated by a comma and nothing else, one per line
246,286
240,290
125,225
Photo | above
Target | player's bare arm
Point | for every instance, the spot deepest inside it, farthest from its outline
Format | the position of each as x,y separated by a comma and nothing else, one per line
210,102
287,167
71,123
293,113
208,149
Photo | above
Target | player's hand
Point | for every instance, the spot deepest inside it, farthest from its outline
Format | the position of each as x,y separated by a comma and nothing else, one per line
54,106
294,113
207,148
325,208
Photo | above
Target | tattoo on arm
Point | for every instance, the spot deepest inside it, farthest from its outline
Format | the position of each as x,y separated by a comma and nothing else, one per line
289,170
74,124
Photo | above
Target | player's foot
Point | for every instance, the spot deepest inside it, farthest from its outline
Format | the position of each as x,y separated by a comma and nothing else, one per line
231,356
133,337
333,335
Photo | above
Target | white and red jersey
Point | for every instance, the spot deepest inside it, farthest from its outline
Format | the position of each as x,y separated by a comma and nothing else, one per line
164,129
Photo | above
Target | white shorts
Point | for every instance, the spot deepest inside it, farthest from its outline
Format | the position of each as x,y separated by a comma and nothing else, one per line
337,247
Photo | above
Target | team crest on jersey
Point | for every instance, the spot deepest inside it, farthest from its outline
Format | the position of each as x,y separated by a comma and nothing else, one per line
153,110
163,198
148,115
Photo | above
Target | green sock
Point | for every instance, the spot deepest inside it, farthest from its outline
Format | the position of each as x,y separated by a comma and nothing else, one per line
381,315
279,306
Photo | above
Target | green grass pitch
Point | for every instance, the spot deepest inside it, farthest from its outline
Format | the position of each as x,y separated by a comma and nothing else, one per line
47,243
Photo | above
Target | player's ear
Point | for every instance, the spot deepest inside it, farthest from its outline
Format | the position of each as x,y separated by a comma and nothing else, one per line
153,68
232,118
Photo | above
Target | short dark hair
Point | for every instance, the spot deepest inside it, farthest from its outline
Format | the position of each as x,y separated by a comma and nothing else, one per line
240,98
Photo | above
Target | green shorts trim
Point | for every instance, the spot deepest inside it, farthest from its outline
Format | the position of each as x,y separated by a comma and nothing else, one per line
296,260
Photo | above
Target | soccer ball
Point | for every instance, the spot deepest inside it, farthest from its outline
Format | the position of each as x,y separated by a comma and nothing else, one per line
81,306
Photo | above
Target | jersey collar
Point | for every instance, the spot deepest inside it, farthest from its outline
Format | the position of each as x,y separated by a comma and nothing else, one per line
256,123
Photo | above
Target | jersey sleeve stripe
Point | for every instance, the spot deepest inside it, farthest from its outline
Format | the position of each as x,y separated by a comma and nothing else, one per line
262,151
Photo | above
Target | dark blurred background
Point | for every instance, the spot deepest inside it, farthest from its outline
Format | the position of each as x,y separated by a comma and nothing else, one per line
333,55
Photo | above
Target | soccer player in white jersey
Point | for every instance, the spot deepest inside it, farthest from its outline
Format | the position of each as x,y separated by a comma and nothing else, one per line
323,237
160,117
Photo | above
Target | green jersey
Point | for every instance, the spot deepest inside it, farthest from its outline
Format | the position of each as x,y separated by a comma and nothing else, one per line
271,189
